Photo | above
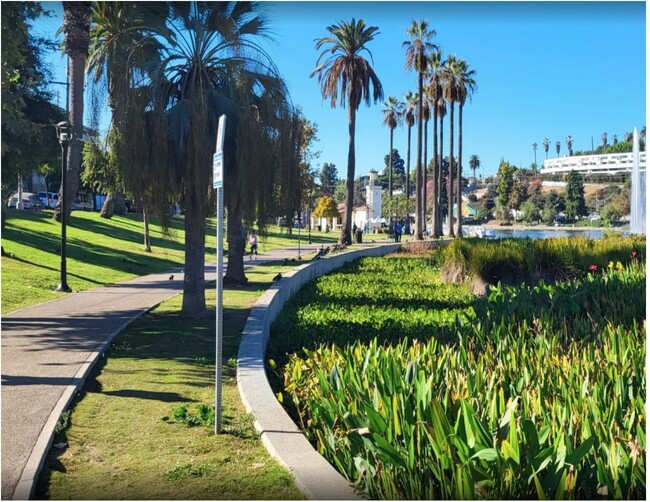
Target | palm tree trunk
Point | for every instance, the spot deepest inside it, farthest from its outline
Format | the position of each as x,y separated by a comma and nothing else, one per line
436,176
439,188
345,238
450,178
145,221
423,183
418,194
390,164
408,177
77,36
236,245
194,280
459,179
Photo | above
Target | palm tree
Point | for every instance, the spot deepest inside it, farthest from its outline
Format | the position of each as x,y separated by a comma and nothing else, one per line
546,144
569,144
393,110
614,138
426,115
452,76
418,49
557,147
435,96
200,77
441,107
76,29
122,41
343,65
474,164
535,152
466,87
410,111
603,137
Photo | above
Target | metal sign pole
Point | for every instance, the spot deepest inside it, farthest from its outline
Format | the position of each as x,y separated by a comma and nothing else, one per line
217,180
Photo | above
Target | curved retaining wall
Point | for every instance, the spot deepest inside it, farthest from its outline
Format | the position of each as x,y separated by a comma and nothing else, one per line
314,475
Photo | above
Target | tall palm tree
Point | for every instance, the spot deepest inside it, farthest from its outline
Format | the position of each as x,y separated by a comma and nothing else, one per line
441,107
569,144
393,110
435,96
201,76
76,30
341,64
418,49
466,88
474,164
410,112
123,39
546,144
614,138
557,147
603,137
426,115
535,152
452,77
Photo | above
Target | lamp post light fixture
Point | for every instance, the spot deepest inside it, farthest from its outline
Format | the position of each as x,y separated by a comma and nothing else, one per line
63,132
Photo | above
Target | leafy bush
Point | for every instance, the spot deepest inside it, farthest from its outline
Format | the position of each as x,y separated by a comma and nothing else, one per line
533,392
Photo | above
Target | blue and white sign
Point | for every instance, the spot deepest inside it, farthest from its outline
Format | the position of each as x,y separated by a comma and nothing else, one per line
217,170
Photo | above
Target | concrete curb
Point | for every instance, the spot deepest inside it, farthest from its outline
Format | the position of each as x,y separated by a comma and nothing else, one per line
27,482
315,477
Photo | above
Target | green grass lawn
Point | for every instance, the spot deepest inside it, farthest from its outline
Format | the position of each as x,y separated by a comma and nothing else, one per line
100,251
120,447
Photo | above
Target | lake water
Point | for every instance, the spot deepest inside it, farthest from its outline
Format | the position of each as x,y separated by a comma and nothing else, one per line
509,233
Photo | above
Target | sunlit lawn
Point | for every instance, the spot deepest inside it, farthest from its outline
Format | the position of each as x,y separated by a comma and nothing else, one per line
119,446
99,251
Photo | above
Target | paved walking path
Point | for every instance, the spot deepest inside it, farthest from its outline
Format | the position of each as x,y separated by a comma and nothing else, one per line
48,350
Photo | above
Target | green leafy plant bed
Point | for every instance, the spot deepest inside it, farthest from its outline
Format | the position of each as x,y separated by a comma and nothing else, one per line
535,391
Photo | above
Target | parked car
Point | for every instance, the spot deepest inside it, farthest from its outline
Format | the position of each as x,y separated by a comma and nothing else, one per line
48,199
30,201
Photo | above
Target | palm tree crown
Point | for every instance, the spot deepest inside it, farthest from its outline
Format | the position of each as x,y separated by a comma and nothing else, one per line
341,64
393,111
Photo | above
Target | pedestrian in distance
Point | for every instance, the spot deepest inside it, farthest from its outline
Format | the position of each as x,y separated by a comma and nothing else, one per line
252,241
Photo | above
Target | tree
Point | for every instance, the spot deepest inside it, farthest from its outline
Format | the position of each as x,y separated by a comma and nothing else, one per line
546,144
574,197
603,137
569,144
474,164
610,214
535,153
451,95
393,111
409,117
504,188
326,208
398,169
76,28
466,88
557,147
418,49
529,212
342,65
328,177
434,95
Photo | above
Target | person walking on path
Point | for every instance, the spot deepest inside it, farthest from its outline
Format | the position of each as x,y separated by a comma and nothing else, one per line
252,240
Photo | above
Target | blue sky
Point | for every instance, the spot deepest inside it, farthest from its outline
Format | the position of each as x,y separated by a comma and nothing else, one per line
543,69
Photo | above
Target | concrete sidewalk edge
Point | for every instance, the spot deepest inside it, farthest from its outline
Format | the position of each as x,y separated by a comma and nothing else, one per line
27,483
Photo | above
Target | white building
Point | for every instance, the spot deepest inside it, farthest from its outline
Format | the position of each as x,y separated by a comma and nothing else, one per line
373,197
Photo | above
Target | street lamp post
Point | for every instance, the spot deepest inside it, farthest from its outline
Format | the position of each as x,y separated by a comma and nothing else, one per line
309,218
63,133
299,235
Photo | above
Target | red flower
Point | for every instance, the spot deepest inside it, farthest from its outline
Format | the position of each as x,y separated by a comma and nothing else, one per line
593,268
633,254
